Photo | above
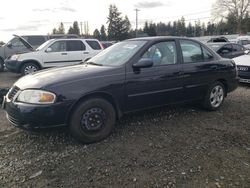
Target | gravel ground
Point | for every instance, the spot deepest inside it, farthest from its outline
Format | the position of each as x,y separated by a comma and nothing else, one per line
175,146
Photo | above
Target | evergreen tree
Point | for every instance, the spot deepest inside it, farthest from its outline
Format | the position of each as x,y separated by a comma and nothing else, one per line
103,36
190,30
126,27
182,27
197,29
97,34
74,29
118,28
60,29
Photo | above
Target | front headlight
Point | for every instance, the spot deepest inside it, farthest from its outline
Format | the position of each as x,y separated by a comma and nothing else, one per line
15,57
36,97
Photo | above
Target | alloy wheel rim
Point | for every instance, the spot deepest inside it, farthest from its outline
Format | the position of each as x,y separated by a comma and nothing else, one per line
216,96
93,119
30,69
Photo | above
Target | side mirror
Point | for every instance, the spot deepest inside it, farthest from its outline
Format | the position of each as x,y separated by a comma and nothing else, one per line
9,45
143,63
48,50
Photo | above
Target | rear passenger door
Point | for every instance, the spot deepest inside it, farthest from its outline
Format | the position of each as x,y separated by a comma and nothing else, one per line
76,50
198,67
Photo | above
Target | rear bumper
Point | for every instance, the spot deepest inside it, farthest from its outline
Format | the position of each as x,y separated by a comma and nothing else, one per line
13,65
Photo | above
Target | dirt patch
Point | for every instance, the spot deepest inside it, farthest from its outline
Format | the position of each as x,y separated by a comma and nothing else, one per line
181,146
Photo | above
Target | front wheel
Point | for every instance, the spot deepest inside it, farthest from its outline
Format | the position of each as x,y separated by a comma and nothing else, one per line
215,96
29,68
92,120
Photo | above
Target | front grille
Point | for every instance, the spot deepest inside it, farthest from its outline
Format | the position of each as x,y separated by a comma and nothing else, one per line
243,68
13,91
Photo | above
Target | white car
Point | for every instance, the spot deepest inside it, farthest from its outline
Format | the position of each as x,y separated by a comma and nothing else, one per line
243,66
244,40
54,53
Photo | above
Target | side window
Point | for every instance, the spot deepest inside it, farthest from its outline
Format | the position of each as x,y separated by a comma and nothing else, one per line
94,44
162,53
75,45
225,49
59,46
191,51
207,55
237,48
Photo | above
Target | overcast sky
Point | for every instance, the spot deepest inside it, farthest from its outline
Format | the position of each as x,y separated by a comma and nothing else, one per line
24,17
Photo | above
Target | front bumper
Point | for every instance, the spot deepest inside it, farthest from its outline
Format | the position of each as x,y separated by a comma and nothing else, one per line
244,76
31,116
13,65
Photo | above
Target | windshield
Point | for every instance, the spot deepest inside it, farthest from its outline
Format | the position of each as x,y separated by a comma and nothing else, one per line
43,45
117,54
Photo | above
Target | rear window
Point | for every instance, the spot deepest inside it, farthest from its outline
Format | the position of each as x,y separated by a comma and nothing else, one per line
75,45
94,44
35,40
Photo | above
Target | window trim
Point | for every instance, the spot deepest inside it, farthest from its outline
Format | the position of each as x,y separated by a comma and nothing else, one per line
160,41
54,43
83,45
201,47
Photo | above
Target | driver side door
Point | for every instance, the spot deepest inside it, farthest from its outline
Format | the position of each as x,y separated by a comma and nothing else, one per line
56,54
157,85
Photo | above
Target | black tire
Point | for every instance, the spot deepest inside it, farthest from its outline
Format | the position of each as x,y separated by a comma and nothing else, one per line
29,68
215,96
92,120
1,65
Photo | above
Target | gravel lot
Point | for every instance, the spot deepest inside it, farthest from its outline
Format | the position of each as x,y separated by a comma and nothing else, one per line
181,146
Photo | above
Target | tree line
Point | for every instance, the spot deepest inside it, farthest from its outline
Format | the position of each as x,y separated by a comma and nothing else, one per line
232,17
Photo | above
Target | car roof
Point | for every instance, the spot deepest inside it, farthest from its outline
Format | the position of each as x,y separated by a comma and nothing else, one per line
70,39
159,38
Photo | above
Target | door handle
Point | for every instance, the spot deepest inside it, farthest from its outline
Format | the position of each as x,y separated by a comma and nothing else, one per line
64,53
85,52
214,67
178,73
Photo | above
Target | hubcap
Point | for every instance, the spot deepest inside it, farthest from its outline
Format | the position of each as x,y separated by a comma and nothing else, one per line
30,69
216,96
93,119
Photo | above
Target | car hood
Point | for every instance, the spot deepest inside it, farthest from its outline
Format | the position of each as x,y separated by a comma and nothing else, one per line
25,43
242,60
64,75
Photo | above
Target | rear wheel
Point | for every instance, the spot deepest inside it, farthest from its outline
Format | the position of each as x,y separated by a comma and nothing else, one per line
215,96
92,120
29,68
1,65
